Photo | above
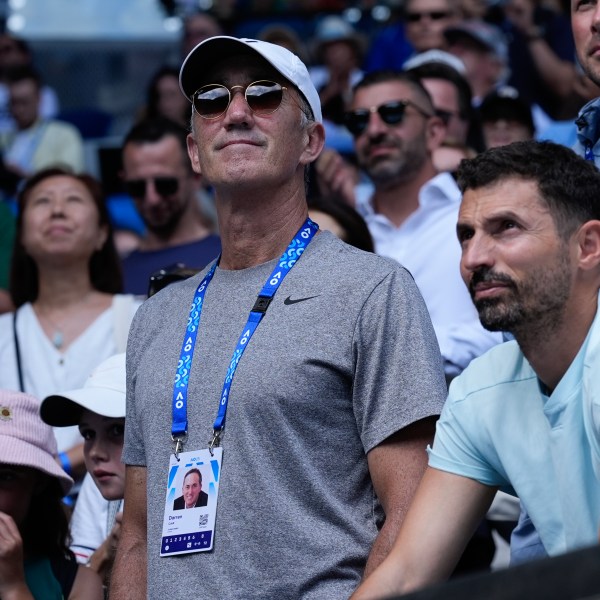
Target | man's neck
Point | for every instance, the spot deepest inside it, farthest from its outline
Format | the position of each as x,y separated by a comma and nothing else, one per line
550,352
399,200
256,230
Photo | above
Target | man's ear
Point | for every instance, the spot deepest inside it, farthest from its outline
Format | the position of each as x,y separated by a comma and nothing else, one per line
314,144
192,148
588,245
435,133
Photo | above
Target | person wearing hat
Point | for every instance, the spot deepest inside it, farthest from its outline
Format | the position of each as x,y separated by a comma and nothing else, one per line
483,48
332,391
505,118
35,561
338,52
98,409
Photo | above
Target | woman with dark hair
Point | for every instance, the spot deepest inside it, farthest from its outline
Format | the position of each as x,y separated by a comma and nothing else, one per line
35,561
65,279
342,220
164,98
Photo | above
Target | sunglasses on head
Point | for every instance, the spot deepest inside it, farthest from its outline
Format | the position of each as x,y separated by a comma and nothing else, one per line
391,113
212,100
434,15
164,186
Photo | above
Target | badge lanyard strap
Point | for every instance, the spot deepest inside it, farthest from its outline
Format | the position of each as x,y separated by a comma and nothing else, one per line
180,389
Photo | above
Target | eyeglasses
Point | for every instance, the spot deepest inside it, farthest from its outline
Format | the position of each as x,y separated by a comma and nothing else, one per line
446,115
434,15
391,113
164,186
263,97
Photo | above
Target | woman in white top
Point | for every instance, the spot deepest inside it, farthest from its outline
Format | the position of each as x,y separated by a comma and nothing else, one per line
65,279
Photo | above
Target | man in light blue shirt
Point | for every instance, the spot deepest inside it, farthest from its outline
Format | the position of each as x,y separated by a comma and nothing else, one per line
525,417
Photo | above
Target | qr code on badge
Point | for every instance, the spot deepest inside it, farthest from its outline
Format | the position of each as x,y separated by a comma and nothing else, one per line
203,520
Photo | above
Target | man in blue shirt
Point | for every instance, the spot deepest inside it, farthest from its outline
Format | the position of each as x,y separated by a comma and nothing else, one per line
525,417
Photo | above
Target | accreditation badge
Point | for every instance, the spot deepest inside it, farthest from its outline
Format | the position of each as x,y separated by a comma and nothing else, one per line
191,502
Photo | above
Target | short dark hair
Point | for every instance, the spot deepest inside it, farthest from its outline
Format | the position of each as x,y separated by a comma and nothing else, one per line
389,75
194,470
154,129
23,73
105,264
437,70
567,183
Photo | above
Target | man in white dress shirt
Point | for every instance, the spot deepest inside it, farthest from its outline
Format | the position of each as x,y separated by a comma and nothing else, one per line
411,210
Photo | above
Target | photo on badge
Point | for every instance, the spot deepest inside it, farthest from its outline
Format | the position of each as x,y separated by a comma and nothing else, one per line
191,502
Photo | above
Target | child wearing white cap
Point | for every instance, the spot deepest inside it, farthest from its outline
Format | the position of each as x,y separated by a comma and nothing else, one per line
99,410
34,559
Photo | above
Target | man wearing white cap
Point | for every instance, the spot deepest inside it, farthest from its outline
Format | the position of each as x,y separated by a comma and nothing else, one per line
334,383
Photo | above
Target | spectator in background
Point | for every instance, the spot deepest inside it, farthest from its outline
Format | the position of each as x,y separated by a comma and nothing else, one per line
164,98
15,52
484,51
389,48
35,561
426,21
158,175
37,142
505,118
198,27
283,35
584,19
65,284
410,209
98,409
443,76
338,50
541,56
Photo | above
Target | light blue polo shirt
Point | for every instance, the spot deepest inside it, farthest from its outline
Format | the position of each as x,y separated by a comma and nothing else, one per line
499,428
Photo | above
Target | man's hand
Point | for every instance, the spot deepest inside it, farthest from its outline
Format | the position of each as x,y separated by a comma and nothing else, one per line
102,560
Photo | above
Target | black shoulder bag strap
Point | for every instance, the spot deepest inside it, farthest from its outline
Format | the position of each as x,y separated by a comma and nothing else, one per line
18,353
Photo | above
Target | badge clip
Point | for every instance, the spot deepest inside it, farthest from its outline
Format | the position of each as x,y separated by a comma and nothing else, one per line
216,440
179,439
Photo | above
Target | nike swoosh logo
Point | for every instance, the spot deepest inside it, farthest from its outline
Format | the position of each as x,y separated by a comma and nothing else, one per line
289,300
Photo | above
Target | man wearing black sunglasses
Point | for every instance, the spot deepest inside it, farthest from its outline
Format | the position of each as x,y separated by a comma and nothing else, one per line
330,392
158,176
410,209
425,23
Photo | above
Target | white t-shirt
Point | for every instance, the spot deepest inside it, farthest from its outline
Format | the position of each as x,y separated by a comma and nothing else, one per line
46,370
92,520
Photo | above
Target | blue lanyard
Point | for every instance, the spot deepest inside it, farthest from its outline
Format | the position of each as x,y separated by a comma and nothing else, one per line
180,388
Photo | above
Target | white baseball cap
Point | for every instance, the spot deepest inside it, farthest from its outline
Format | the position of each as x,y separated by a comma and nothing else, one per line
102,393
287,63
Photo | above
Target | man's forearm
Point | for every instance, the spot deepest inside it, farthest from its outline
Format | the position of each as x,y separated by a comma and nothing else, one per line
381,547
128,581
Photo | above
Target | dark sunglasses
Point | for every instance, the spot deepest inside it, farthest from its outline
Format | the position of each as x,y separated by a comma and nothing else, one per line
164,186
263,97
434,15
391,113
446,115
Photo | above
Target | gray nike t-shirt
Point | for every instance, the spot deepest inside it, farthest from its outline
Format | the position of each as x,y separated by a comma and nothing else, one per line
344,357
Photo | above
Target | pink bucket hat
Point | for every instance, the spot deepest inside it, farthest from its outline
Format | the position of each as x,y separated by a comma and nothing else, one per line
25,440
